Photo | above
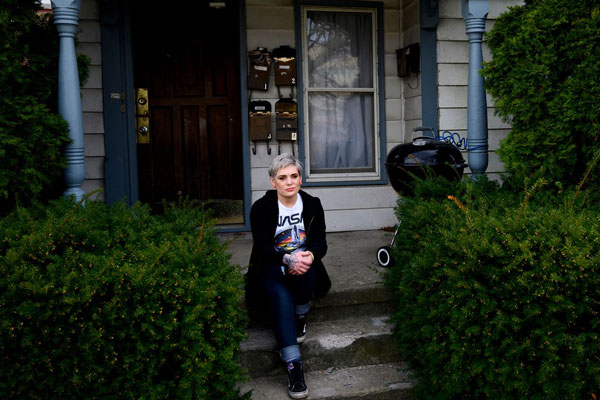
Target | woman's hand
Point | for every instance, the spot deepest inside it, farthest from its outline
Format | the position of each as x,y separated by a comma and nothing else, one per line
298,262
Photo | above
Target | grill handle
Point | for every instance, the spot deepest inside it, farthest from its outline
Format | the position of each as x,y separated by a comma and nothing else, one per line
423,129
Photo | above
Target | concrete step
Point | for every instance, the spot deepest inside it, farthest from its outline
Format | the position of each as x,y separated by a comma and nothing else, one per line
320,314
342,343
390,381
341,304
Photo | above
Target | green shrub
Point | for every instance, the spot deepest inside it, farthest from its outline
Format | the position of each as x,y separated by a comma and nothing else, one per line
32,135
543,77
497,294
102,302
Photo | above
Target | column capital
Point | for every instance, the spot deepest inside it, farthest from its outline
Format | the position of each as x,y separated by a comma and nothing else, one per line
475,9
66,12
66,4
475,26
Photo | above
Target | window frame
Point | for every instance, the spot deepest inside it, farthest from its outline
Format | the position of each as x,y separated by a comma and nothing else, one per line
346,178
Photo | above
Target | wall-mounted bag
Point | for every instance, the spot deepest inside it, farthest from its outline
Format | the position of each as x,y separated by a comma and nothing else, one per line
260,120
286,120
285,66
259,68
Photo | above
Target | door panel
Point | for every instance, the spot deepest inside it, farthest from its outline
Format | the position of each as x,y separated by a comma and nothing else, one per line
218,135
189,79
187,55
164,152
191,142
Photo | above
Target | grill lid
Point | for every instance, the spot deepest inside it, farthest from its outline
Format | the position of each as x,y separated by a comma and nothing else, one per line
425,151
409,160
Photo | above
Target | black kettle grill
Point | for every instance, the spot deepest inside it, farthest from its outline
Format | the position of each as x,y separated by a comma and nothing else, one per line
425,156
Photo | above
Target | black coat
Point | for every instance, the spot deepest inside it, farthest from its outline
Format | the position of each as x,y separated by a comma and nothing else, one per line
263,221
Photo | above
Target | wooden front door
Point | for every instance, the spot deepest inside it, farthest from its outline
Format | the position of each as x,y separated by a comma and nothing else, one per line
186,53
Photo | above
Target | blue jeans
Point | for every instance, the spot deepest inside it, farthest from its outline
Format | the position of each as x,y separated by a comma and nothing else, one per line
287,295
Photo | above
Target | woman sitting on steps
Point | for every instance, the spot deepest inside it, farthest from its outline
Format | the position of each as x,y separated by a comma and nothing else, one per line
288,232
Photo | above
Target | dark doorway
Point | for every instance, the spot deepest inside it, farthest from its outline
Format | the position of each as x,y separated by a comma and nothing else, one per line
186,54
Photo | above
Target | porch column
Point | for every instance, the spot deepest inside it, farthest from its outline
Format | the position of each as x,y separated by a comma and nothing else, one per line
66,19
474,13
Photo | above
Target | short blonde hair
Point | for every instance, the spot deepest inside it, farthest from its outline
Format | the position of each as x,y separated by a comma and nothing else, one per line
282,161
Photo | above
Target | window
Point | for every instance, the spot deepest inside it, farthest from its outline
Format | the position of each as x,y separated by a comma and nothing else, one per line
340,94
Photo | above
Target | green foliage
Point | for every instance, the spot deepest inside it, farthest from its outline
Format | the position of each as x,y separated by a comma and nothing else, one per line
102,302
32,135
543,77
498,293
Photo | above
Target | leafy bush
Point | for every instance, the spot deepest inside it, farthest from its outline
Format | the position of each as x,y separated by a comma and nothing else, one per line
543,77
115,303
32,135
498,293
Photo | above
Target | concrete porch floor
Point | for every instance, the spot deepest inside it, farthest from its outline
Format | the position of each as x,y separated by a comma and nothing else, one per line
350,261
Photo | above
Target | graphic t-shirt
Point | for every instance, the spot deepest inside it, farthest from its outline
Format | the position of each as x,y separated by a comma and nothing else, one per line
289,234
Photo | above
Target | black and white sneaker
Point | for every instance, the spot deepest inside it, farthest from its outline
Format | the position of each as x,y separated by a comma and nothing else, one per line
300,328
296,387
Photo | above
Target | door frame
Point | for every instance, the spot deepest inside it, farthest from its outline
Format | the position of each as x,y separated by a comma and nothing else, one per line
118,92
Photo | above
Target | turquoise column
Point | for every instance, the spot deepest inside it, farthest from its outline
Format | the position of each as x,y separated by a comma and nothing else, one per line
66,19
474,13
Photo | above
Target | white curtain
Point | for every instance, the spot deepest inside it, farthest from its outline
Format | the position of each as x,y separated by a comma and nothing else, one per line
340,123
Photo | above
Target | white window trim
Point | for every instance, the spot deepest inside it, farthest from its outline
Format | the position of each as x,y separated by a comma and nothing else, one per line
342,176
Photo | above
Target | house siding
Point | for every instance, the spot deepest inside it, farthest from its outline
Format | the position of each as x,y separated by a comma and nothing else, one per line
270,24
91,98
410,33
453,77
346,208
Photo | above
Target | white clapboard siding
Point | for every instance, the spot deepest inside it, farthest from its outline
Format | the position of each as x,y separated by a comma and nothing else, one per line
453,119
411,33
359,197
359,220
353,208
453,75
91,98
270,25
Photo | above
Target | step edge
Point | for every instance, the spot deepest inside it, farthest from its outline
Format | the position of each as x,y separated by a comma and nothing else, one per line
405,380
261,338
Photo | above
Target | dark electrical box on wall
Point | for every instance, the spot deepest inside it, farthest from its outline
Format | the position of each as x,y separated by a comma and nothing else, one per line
408,60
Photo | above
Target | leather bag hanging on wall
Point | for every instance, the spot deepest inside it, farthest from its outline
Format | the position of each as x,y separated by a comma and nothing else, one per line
260,123
286,120
260,120
285,66
259,68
